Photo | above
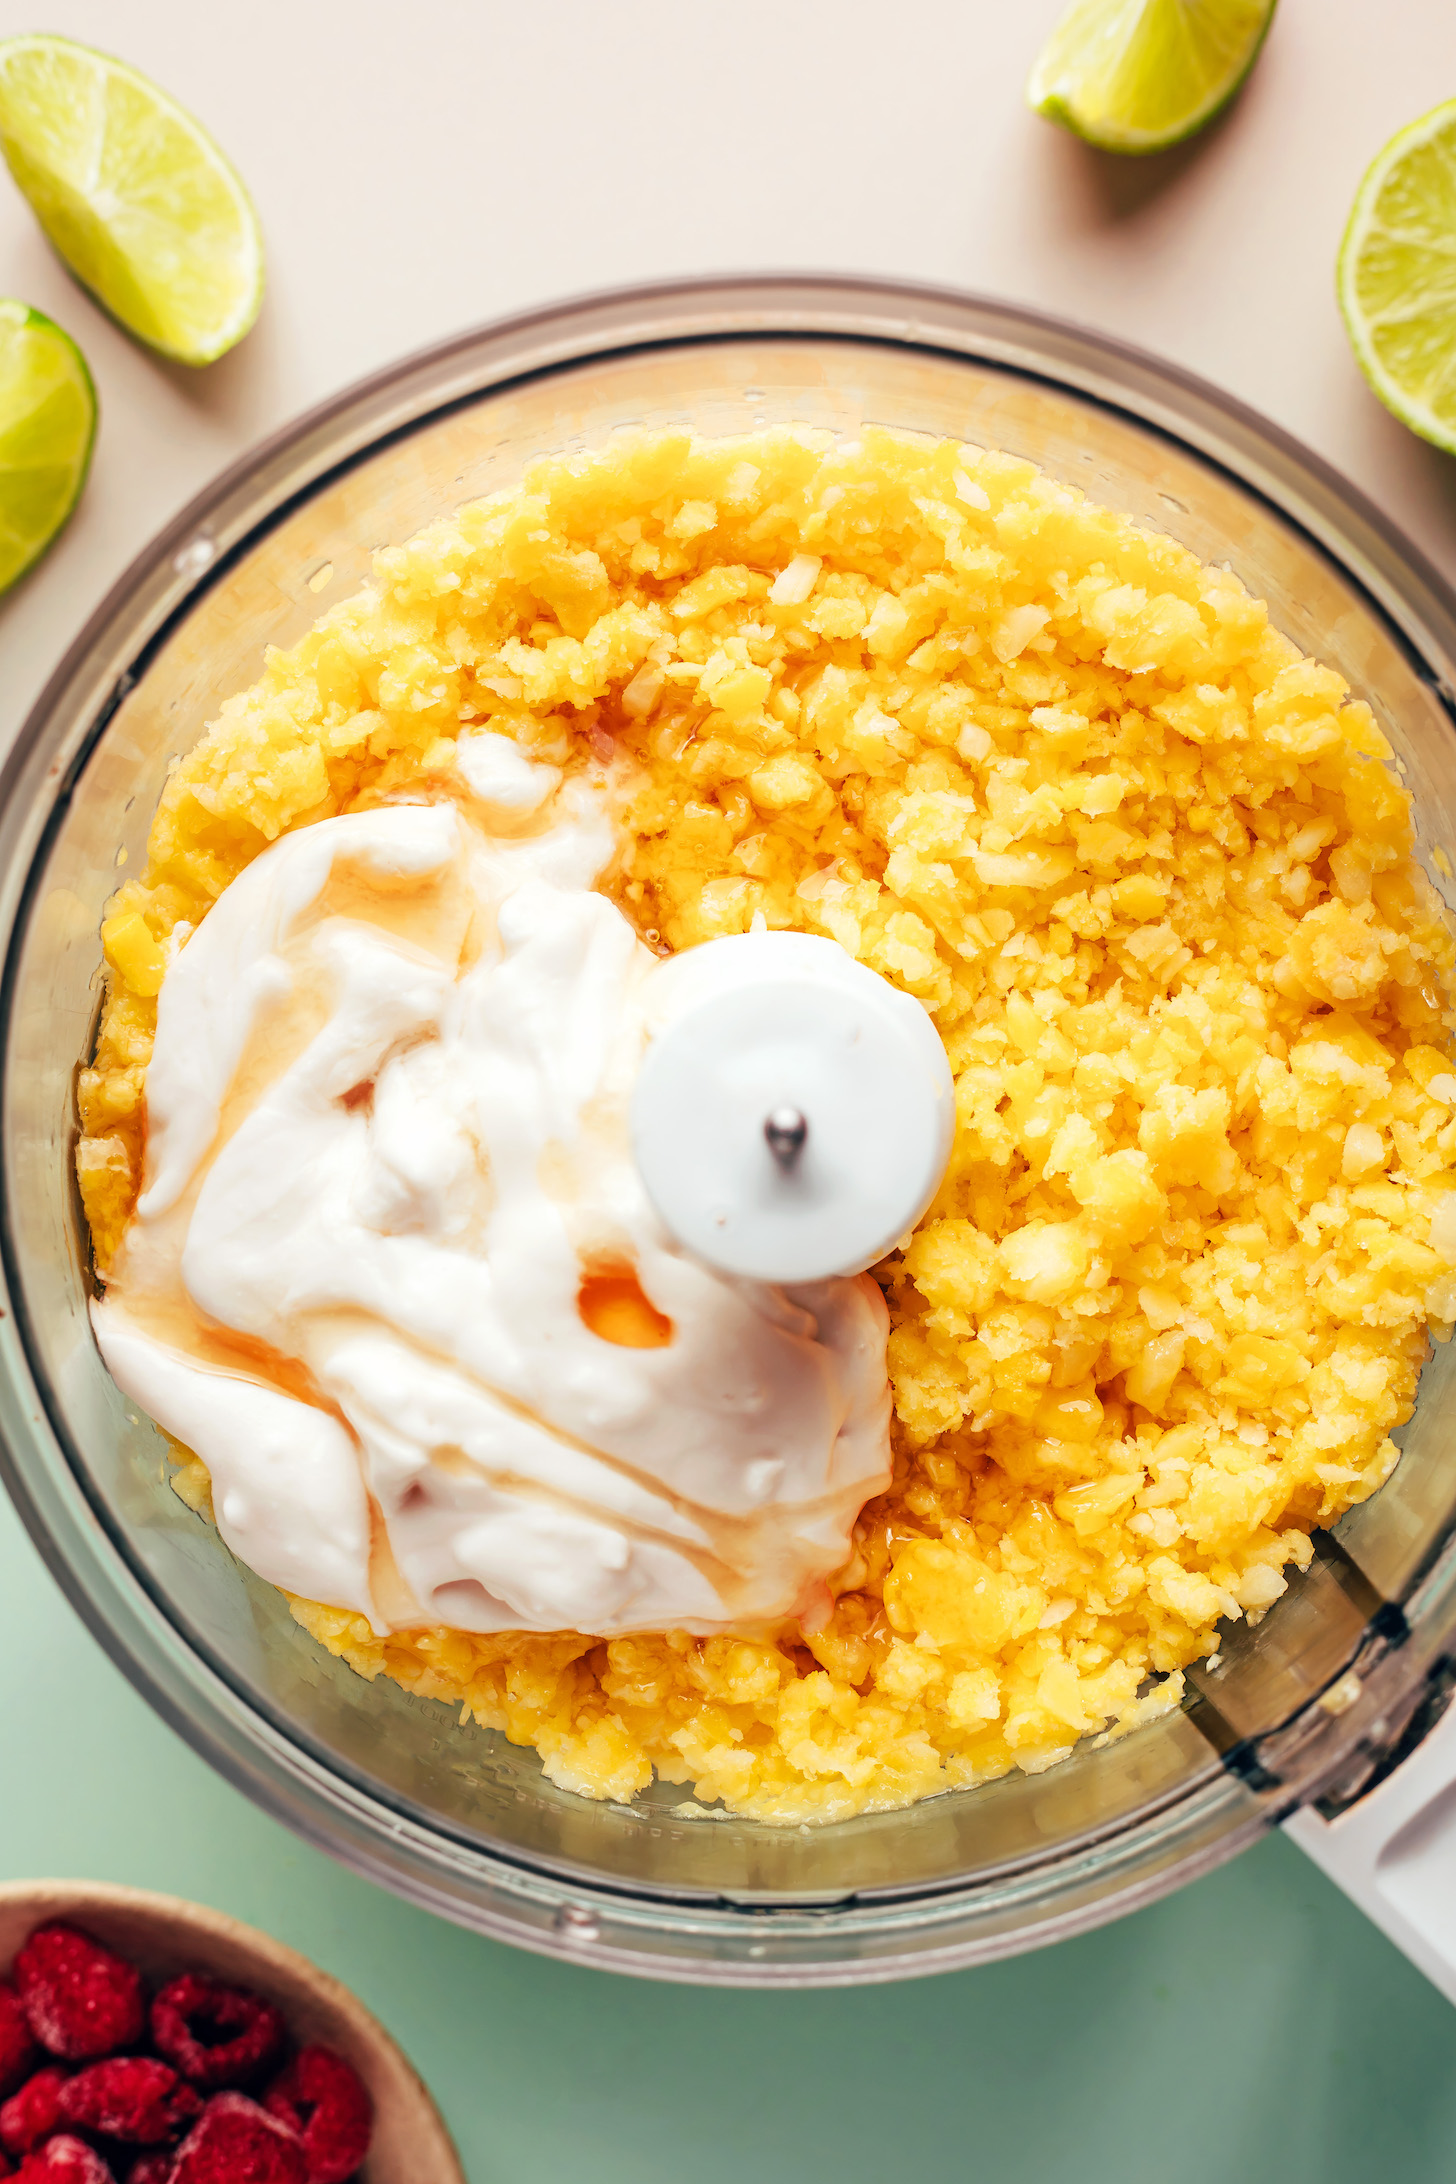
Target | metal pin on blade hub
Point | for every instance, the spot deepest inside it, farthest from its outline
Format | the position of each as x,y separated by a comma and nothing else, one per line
786,1129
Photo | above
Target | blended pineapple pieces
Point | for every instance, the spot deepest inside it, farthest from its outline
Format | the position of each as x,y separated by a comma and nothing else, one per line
1144,865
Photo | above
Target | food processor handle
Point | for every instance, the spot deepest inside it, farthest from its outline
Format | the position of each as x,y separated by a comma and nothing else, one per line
1393,1852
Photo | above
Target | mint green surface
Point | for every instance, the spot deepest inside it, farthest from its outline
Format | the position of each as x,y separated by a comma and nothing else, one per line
1253,2027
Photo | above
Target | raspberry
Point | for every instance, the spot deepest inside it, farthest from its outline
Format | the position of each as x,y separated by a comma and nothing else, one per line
33,2113
64,2160
234,2142
152,2169
17,2047
215,2035
132,2097
80,1999
322,2098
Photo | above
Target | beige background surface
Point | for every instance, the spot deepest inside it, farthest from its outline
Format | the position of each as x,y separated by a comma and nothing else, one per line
421,168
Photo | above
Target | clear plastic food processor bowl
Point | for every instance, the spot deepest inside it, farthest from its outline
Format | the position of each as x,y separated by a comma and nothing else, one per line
457,1818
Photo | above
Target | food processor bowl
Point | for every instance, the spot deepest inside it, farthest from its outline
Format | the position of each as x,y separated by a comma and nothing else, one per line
1342,1675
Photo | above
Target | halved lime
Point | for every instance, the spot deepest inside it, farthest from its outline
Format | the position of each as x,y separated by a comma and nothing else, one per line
1396,276
134,195
1139,75
47,425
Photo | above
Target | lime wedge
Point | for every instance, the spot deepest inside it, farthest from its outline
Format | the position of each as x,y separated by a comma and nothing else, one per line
47,425
137,198
1396,276
1139,75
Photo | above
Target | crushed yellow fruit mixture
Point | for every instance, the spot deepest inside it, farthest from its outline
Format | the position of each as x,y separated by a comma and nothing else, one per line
1148,870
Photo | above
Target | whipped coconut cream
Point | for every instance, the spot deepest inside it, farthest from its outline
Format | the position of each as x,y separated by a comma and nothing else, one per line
395,1279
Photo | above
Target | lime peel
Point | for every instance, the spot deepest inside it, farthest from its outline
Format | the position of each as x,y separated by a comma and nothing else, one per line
1141,75
133,194
1396,276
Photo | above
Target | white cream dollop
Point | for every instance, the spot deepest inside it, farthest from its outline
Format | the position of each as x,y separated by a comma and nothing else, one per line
388,1145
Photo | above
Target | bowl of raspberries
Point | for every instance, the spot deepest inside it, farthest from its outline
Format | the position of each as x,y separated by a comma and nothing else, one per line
144,2040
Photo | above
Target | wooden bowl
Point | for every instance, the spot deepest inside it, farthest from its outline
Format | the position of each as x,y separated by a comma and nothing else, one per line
163,1935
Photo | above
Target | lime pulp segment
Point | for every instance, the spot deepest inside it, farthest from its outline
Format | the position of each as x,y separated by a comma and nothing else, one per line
133,194
1397,276
1139,75
47,425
